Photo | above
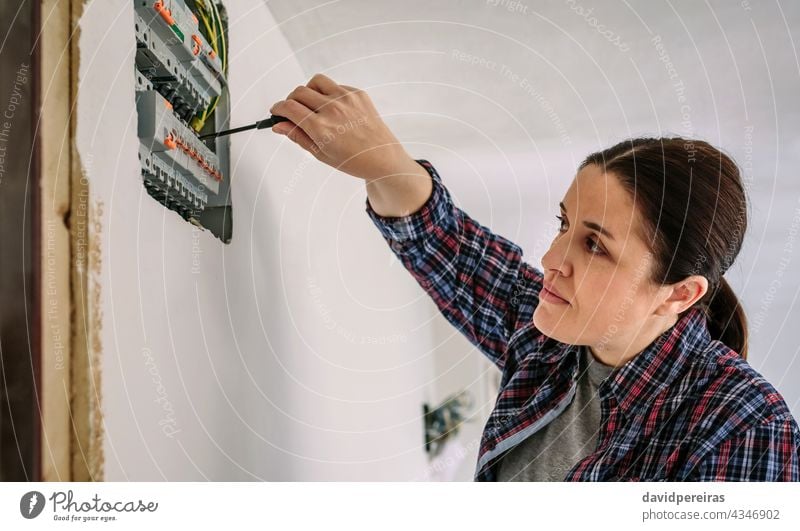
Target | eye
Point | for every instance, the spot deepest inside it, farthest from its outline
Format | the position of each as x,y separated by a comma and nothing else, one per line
561,220
592,245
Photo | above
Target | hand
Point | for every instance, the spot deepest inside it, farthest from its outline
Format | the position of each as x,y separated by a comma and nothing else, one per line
339,125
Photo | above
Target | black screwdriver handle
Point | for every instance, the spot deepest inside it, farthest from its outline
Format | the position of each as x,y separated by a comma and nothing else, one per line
261,124
269,122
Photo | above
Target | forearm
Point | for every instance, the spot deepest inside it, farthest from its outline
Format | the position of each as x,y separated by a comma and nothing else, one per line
402,192
476,278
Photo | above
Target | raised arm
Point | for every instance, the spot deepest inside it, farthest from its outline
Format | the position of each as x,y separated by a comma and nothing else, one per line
477,279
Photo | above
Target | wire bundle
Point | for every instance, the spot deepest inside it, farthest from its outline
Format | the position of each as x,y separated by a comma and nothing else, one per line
208,14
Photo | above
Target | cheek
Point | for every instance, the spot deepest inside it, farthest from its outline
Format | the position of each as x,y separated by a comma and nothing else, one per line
602,292
618,298
595,287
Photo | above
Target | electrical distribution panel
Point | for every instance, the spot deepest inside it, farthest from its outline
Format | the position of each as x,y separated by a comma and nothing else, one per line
181,95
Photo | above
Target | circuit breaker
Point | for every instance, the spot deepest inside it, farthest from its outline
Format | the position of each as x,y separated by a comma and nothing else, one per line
181,95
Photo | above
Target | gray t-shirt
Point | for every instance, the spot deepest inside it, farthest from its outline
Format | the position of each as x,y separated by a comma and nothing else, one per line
551,452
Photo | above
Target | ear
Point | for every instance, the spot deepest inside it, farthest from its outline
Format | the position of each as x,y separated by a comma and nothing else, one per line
681,295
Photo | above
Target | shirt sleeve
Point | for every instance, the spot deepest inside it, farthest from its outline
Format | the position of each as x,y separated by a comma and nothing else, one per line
765,452
477,279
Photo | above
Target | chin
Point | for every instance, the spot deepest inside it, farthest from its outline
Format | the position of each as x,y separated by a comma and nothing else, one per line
551,324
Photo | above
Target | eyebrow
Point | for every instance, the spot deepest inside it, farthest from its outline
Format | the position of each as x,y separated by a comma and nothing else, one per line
590,224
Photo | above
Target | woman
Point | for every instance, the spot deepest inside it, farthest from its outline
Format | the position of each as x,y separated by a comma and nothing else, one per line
624,358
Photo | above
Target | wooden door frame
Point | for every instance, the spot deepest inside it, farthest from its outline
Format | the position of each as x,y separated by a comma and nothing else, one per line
72,428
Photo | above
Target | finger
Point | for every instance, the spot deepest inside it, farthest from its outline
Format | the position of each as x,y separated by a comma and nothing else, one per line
296,135
297,113
309,97
283,127
348,88
325,85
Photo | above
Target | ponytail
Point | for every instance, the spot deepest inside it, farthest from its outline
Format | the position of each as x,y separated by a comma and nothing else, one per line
726,319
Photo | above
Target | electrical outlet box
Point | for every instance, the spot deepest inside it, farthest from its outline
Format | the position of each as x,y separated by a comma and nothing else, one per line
181,95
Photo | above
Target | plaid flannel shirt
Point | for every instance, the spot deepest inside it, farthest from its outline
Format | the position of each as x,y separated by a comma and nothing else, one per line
687,408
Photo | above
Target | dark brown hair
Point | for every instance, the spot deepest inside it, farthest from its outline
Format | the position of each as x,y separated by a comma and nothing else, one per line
691,197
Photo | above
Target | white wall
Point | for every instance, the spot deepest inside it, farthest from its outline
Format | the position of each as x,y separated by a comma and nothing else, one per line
261,359
261,387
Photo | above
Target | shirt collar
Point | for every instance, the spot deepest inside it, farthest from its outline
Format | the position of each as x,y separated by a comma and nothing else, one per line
639,380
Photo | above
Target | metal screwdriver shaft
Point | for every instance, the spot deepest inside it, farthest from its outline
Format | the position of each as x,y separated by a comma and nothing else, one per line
262,124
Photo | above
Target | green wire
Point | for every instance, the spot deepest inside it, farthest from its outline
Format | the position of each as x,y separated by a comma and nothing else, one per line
219,30
217,34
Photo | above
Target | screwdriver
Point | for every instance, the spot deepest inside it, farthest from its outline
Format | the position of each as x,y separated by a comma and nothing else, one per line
261,124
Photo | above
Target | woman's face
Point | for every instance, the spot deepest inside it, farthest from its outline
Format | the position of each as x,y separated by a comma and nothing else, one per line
600,263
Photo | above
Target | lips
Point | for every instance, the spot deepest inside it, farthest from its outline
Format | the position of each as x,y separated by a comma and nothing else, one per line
552,290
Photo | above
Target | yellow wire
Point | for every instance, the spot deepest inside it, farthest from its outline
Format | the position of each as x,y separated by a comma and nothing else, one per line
217,23
222,51
200,121
224,46
212,34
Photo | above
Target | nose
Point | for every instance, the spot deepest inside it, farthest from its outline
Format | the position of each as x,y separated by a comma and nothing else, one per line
555,261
